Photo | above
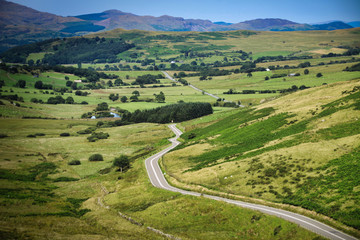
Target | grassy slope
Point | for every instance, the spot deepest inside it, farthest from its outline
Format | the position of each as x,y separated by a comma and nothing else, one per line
44,197
296,149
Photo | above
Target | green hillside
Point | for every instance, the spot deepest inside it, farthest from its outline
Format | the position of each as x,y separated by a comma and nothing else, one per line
301,149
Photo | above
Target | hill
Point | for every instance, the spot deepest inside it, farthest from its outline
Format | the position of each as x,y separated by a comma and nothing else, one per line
164,47
20,25
301,149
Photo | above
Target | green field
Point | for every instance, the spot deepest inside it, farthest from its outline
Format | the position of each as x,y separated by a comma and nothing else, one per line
56,196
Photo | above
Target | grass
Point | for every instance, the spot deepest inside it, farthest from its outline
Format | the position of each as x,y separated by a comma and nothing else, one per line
279,151
44,195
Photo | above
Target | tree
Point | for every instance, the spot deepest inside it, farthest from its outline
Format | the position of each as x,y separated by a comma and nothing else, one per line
267,78
21,84
123,99
96,157
69,100
134,98
249,74
38,84
118,82
68,83
160,97
67,78
31,62
306,71
319,75
102,107
113,97
74,85
122,162
136,93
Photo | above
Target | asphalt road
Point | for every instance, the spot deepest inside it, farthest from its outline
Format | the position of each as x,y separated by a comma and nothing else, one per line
158,180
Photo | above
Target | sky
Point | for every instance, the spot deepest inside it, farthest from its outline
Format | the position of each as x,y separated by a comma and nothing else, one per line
232,11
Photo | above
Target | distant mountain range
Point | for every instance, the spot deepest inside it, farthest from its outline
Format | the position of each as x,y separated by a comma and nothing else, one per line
21,25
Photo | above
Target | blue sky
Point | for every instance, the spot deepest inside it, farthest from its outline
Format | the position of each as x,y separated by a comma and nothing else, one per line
302,11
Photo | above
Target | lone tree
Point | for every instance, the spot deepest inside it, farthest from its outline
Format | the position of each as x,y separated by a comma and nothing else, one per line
319,75
122,162
21,84
136,93
160,97
123,99
306,71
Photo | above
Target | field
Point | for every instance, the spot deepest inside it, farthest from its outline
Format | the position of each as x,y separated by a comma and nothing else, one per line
293,143
46,196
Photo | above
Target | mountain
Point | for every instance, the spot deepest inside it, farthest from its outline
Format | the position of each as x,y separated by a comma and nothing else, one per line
332,26
271,24
21,25
354,24
117,19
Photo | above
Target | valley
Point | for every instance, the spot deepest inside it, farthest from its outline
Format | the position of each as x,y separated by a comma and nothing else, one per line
284,133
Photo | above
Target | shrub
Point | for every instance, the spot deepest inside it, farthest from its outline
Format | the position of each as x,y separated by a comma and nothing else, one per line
40,134
2,135
96,136
64,134
31,136
96,157
74,162
87,131
319,75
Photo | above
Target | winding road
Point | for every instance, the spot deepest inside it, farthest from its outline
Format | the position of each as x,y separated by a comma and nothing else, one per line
157,179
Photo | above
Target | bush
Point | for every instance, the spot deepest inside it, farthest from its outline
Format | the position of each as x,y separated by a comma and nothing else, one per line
96,157
96,136
40,134
87,131
2,135
64,134
31,136
74,162
319,75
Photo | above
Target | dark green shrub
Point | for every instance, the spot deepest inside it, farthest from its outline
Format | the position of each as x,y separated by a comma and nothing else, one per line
31,136
74,162
64,134
2,135
87,131
96,157
40,134
96,136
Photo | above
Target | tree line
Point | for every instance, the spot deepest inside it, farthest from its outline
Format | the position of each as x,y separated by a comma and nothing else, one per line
170,113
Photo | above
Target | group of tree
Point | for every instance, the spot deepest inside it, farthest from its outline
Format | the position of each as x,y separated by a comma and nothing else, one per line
147,79
60,100
41,85
91,75
70,50
349,52
353,68
170,113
